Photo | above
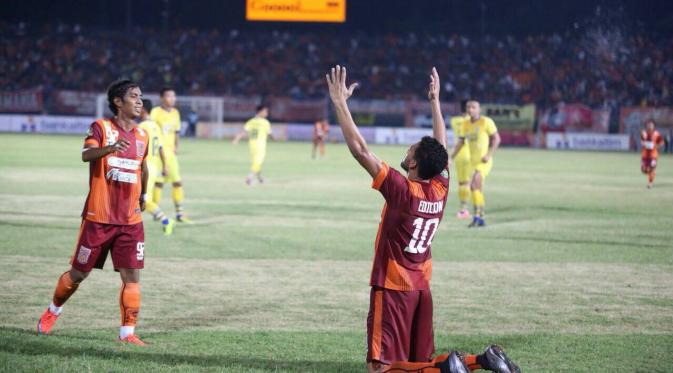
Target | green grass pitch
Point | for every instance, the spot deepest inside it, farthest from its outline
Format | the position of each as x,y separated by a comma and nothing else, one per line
573,274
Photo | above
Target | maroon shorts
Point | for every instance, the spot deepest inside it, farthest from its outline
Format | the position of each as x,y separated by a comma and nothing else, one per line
126,242
648,163
399,326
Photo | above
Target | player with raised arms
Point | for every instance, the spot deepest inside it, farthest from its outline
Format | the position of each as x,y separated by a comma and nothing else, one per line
400,334
651,141
116,150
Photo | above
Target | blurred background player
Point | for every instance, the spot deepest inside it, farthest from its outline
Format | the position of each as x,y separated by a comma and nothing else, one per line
258,128
399,323
112,217
650,140
156,165
462,162
482,139
167,117
320,133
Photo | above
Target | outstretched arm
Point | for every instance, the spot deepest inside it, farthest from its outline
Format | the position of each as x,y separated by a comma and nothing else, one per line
339,93
238,137
438,125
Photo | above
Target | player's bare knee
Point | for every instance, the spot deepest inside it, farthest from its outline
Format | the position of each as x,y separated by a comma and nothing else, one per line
78,276
159,185
177,185
129,275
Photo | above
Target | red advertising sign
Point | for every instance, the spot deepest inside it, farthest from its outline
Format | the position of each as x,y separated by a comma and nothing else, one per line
22,101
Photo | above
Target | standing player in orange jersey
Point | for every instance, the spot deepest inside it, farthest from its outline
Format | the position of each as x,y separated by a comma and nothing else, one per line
116,150
400,334
650,140
320,132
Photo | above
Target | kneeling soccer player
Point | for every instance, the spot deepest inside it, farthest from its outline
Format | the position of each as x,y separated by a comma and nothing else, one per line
493,358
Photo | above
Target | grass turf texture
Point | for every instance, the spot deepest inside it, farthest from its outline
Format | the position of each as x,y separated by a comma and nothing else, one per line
573,273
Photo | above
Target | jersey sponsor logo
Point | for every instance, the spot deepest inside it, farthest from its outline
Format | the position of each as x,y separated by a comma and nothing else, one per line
125,163
430,207
124,177
140,148
83,254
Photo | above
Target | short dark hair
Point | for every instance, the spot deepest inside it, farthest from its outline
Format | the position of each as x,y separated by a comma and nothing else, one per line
471,99
163,90
463,106
119,89
260,107
431,157
651,120
147,104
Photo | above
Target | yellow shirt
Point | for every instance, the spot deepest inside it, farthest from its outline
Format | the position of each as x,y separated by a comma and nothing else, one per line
169,122
456,125
477,134
258,130
155,140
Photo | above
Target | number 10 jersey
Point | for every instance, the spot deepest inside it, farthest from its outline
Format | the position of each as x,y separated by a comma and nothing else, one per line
409,221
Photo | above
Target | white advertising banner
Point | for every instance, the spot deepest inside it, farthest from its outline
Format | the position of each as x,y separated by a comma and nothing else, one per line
406,136
587,141
45,124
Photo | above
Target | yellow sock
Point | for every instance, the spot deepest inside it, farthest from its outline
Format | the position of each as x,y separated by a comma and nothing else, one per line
463,194
151,206
178,196
156,195
478,201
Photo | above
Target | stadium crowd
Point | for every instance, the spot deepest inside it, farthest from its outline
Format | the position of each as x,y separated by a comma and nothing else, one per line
595,68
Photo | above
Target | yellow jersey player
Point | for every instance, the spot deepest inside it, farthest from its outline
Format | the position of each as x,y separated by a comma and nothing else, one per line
257,129
156,164
482,139
462,162
167,117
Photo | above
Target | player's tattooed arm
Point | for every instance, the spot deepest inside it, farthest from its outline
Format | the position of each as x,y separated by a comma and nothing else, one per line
144,176
339,93
493,143
162,156
438,125
456,147
92,153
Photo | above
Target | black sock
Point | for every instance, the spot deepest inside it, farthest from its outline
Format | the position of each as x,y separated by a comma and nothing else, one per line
483,362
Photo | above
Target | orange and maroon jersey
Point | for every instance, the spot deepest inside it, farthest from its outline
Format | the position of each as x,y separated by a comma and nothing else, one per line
115,179
321,129
409,221
652,141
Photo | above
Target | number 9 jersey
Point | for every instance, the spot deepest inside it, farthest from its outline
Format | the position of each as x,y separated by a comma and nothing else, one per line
409,221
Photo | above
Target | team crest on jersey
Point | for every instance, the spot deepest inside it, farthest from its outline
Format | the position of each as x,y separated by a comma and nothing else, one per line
110,134
83,255
140,148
